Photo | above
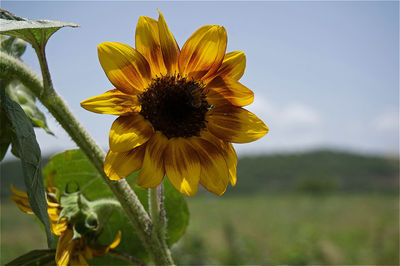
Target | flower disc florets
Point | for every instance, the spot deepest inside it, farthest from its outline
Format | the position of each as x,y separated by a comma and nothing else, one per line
175,105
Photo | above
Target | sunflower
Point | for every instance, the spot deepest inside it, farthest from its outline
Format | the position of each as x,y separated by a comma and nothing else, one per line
70,250
179,109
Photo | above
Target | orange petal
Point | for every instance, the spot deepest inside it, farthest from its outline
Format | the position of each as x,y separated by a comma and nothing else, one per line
233,66
153,170
125,67
113,102
203,52
119,165
235,124
231,90
169,46
182,166
147,39
128,132
214,172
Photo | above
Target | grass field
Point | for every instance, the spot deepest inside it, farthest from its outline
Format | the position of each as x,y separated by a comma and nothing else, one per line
262,229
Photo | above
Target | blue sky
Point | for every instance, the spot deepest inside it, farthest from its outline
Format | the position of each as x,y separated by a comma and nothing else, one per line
325,74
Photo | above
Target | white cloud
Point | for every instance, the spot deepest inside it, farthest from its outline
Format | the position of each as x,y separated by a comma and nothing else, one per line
387,121
293,126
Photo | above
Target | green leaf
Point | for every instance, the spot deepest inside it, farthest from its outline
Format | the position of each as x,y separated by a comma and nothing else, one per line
72,167
13,46
24,97
16,90
36,32
35,257
5,133
29,152
177,213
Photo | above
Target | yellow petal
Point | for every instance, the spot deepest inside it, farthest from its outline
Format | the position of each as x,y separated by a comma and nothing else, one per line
53,205
113,102
147,40
53,213
182,166
153,171
125,67
59,227
203,52
214,172
227,151
231,90
65,248
119,165
21,199
231,161
128,132
18,193
169,46
233,66
235,124
116,240
23,204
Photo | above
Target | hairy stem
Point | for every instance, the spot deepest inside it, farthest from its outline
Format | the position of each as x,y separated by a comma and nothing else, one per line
157,212
45,92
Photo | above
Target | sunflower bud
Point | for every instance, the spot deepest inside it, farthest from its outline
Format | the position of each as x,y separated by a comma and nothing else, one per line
88,217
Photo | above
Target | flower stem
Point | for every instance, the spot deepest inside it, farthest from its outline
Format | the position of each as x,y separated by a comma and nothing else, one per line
157,212
45,92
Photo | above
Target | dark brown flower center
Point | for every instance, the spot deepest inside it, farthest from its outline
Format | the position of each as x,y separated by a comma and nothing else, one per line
175,105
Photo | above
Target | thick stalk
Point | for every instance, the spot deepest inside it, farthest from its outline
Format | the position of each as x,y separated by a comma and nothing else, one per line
123,192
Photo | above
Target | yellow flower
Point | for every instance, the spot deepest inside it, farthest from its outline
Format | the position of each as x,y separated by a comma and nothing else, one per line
69,250
179,109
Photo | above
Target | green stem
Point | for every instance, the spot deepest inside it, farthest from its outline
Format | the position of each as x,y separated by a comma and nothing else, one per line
157,212
154,205
123,192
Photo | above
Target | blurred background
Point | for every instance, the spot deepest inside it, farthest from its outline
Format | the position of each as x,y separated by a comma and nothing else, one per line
320,188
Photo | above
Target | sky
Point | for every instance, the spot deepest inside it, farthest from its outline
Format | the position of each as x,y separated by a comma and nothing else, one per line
324,74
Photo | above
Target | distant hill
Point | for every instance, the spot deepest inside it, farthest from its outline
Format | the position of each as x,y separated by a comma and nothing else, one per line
318,171
310,172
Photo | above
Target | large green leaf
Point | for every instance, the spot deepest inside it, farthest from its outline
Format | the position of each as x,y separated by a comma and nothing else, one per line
73,168
29,153
36,32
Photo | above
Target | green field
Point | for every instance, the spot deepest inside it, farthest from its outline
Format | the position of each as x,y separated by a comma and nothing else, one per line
266,229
